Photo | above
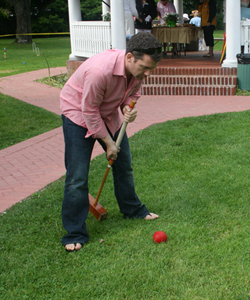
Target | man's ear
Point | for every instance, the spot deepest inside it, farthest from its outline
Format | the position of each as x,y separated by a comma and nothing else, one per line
129,57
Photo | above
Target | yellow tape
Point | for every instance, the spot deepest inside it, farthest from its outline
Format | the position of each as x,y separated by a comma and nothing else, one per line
50,33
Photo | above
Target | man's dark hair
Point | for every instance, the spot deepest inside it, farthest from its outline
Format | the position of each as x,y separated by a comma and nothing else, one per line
144,43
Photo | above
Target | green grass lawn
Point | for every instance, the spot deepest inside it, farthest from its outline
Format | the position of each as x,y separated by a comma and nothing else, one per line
193,172
21,121
218,34
55,50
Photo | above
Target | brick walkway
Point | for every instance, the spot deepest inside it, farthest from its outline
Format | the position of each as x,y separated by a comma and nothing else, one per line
31,165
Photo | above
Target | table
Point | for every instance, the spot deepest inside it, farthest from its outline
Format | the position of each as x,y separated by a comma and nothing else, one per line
182,35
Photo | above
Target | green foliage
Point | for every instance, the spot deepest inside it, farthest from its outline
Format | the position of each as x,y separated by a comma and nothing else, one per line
4,13
21,121
107,16
220,24
242,92
194,172
55,81
50,16
7,24
91,10
50,24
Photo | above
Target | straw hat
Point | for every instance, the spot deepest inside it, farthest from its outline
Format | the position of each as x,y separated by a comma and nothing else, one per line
195,13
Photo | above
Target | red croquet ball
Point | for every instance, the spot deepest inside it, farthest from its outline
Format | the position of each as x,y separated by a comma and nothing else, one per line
160,237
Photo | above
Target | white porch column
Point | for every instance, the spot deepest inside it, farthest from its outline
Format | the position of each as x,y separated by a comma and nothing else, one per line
74,9
179,9
105,7
118,34
233,17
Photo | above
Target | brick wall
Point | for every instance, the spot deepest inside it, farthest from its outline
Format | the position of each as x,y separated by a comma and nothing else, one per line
72,65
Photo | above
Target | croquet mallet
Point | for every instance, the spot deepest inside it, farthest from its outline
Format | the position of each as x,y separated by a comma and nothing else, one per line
95,208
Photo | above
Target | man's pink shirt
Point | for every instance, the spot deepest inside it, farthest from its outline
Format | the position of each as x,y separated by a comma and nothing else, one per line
94,93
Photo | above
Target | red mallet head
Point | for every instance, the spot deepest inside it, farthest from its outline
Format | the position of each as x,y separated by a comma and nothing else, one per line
160,237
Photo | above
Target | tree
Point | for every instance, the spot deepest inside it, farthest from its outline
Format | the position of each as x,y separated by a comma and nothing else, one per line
91,10
7,23
23,22
52,15
49,16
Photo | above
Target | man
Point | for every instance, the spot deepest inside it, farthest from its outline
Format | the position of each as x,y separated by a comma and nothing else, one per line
207,8
130,13
147,13
91,102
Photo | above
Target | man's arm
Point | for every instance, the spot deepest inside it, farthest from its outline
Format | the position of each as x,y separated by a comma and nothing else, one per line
212,10
112,149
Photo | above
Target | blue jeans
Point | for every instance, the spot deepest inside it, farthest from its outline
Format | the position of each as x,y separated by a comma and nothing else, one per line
75,206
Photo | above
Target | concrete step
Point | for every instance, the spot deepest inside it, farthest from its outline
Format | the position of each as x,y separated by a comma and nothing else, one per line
209,90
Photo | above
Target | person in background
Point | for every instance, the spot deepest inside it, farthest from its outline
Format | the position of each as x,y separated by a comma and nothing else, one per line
207,8
147,13
245,11
245,3
224,14
186,18
130,12
94,103
196,20
163,7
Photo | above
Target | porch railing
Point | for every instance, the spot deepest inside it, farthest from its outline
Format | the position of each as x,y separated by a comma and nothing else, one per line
92,37
89,38
245,35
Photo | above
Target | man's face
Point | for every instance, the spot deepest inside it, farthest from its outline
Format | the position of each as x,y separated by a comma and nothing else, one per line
141,68
164,2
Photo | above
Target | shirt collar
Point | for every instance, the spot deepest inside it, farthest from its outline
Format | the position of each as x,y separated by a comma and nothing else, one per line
119,67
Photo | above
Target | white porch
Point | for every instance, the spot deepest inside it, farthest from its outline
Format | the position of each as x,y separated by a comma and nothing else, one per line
89,38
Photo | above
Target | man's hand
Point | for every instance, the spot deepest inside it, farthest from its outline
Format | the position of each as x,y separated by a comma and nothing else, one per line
129,114
112,149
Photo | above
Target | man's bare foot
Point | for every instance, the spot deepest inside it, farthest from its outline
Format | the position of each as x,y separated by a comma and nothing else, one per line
73,247
151,216
78,246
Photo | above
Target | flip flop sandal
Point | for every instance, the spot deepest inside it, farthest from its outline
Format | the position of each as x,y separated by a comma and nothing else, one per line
208,55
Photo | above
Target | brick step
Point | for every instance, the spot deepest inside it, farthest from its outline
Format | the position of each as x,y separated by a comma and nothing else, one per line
194,71
209,90
216,80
